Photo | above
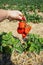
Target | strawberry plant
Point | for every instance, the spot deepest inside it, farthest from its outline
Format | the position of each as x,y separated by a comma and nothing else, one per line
32,8
35,18
10,43
34,43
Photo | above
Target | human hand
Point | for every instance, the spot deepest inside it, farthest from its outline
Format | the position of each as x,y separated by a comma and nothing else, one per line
15,15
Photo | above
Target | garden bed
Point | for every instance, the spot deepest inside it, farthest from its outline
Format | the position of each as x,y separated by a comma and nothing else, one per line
25,58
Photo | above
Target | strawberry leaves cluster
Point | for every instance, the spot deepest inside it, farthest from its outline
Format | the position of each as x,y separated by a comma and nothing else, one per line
8,43
34,43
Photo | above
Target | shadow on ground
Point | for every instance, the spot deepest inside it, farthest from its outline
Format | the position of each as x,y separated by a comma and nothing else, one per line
5,59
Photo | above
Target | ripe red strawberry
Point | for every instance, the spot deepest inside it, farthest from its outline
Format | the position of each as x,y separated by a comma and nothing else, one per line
20,30
27,29
22,24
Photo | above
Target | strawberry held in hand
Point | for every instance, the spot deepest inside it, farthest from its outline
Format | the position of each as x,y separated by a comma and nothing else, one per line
20,30
27,29
22,24
23,29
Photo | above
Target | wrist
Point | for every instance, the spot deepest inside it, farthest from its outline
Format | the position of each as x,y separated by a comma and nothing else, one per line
8,13
3,14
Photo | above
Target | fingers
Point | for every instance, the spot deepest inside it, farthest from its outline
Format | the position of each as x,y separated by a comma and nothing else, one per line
17,15
23,17
18,18
20,14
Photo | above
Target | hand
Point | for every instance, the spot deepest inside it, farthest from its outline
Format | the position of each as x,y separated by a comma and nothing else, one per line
15,14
